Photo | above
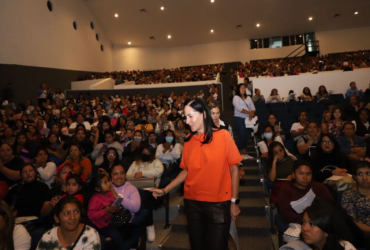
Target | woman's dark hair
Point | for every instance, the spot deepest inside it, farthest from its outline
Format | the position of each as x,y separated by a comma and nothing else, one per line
173,135
270,157
361,110
336,149
237,92
348,123
151,152
272,91
79,148
26,145
342,115
138,131
43,149
77,178
300,113
268,126
324,92
336,223
105,163
95,183
360,164
6,235
201,107
67,200
110,132
309,91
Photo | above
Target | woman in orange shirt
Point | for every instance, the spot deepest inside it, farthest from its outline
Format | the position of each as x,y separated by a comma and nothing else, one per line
81,165
209,162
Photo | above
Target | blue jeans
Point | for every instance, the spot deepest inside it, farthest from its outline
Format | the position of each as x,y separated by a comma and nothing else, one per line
242,132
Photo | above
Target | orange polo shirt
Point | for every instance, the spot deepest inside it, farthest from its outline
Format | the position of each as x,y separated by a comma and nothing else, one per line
208,167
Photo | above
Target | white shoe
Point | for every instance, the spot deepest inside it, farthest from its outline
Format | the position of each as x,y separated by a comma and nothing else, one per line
246,157
150,233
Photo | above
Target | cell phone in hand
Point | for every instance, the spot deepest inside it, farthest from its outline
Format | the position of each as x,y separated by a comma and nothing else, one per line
118,201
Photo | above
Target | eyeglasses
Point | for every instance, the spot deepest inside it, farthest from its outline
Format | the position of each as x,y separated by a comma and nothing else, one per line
111,154
303,116
327,142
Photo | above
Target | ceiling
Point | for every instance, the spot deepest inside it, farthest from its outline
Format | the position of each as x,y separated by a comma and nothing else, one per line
190,21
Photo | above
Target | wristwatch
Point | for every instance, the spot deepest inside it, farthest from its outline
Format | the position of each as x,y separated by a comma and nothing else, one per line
236,201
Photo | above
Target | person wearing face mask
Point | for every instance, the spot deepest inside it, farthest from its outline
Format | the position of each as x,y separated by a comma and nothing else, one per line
169,151
146,165
132,149
268,137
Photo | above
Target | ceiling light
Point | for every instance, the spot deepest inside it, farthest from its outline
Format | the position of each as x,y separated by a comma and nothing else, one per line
116,15
169,36
212,1
310,18
257,25
356,12
129,43
212,31
162,7
300,35
255,40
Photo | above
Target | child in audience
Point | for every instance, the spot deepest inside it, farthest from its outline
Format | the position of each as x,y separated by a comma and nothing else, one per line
101,208
74,187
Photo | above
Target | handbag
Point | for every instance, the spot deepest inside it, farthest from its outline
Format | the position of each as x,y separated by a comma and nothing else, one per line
340,183
123,216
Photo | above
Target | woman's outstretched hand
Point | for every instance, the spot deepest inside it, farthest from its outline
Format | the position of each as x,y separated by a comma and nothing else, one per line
156,192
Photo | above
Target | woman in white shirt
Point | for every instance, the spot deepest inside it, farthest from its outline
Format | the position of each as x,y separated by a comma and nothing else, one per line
274,97
46,169
146,165
12,236
268,137
169,151
243,109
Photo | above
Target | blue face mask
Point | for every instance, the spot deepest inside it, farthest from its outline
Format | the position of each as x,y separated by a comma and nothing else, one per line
169,139
267,135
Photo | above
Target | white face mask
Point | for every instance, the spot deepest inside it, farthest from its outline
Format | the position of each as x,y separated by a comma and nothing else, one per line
267,135
137,139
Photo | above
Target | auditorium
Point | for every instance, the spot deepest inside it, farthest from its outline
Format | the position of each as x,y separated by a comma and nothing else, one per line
187,124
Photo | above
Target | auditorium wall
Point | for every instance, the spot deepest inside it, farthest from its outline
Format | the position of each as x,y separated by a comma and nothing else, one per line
333,41
146,58
32,35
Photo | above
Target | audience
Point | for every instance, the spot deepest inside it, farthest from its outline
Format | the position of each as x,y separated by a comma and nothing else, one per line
300,185
356,201
142,125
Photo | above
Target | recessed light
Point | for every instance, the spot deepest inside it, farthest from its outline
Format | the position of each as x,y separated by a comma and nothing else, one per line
129,43
116,15
300,35
212,1
169,36
162,7
356,13
255,40
257,25
212,31
310,18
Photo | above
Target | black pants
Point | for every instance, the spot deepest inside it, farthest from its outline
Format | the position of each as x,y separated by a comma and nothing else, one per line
208,224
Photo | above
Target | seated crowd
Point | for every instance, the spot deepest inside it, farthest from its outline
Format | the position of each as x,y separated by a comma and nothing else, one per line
182,74
58,160
306,64
338,149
